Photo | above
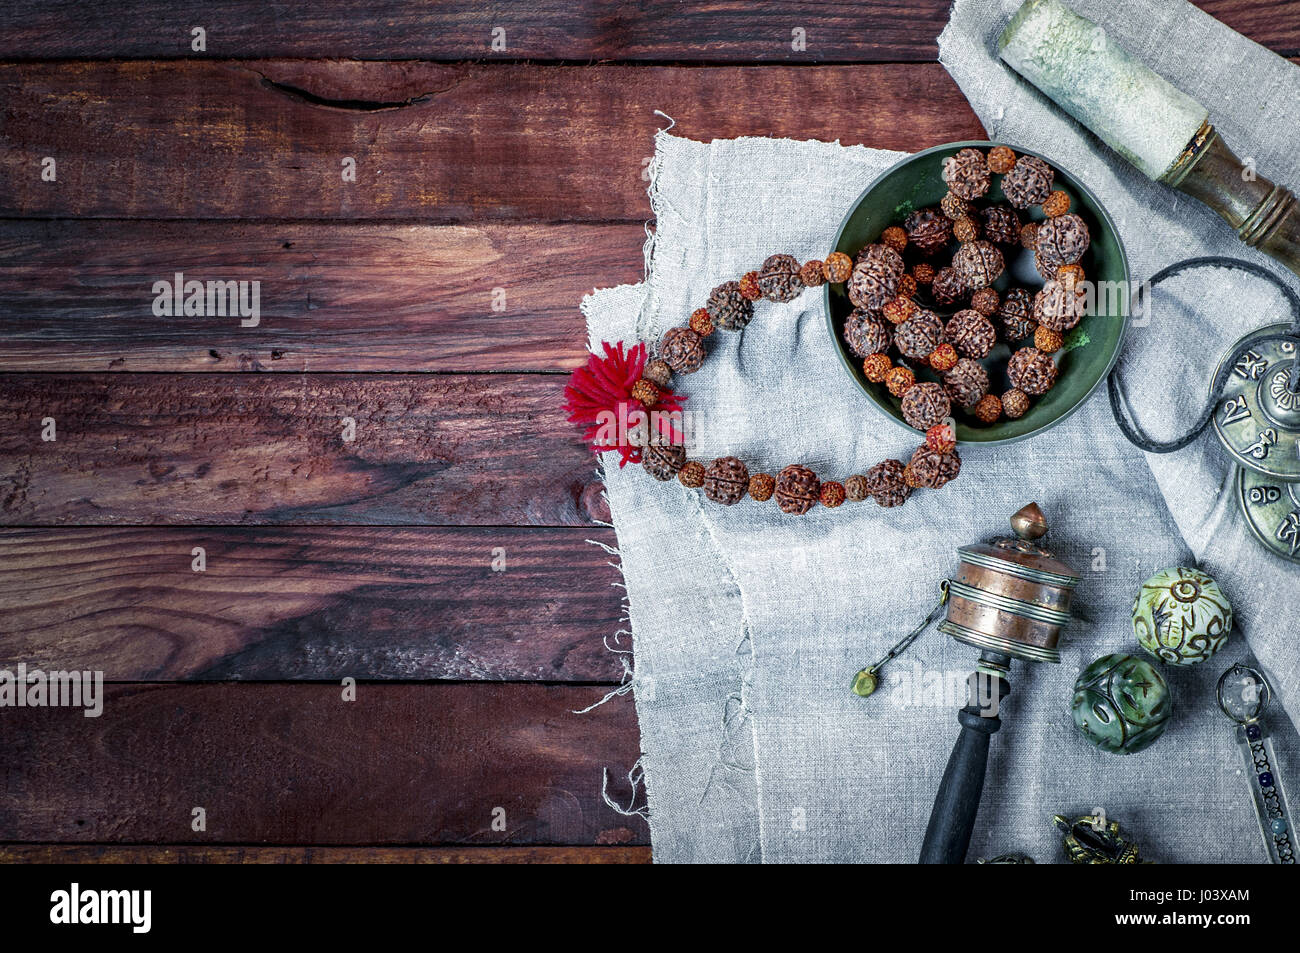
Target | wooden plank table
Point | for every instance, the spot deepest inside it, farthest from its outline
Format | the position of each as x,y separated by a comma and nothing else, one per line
439,555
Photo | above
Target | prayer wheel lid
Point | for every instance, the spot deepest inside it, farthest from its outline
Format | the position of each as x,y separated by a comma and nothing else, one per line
1020,555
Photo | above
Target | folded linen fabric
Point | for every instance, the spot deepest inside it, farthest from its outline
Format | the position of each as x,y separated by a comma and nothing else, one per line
748,624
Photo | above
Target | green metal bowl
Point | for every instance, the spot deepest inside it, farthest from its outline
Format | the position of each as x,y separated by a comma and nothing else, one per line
1091,348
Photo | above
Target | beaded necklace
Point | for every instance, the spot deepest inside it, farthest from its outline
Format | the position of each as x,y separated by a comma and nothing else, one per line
624,403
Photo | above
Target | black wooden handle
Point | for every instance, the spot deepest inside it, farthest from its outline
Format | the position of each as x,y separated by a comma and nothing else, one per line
952,819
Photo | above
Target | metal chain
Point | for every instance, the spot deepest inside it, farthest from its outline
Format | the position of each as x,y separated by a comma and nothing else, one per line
902,644
1119,405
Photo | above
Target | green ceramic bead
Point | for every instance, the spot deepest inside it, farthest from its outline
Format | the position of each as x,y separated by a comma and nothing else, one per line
1121,703
1181,616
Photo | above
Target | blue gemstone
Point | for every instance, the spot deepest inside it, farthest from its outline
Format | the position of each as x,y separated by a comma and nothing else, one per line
1252,732
1279,826
1265,780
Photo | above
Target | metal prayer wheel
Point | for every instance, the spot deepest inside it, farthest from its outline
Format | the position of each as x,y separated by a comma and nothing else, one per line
1011,596
1010,599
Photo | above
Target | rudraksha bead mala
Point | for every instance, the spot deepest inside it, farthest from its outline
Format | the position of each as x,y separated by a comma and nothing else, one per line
887,318
605,384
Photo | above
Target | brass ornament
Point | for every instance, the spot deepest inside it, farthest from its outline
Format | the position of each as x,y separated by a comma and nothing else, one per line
1095,839
1029,522
865,682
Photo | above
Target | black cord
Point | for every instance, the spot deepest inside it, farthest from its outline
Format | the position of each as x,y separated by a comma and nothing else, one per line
1119,403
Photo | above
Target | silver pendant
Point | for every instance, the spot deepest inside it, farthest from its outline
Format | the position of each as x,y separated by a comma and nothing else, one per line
1243,695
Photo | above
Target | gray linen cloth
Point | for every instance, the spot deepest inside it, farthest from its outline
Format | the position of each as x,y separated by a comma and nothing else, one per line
748,624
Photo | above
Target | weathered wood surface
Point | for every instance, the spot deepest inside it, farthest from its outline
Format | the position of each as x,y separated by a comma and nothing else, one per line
282,603
99,855
77,295
432,143
577,30
295,764
485,449
716,31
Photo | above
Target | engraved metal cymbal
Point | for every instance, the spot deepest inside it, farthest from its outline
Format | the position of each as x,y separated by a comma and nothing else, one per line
1258,418
1272,510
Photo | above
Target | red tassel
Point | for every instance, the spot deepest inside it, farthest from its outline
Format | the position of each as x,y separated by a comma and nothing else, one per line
599,399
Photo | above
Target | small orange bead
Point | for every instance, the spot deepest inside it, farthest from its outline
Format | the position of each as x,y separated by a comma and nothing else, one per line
837,267
876,366
701,323
749,289
940,437
1015,403
923,273
692,474
899,309
811,274
943,358
1047,340
899,380
894,237
989,408
832,494
1070,276
1058,203
658,372
762,486
1001,160
965,229
646,392
906,286
1029,235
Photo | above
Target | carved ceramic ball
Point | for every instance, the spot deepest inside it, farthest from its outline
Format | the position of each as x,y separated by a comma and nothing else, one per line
1181,616
1121,704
